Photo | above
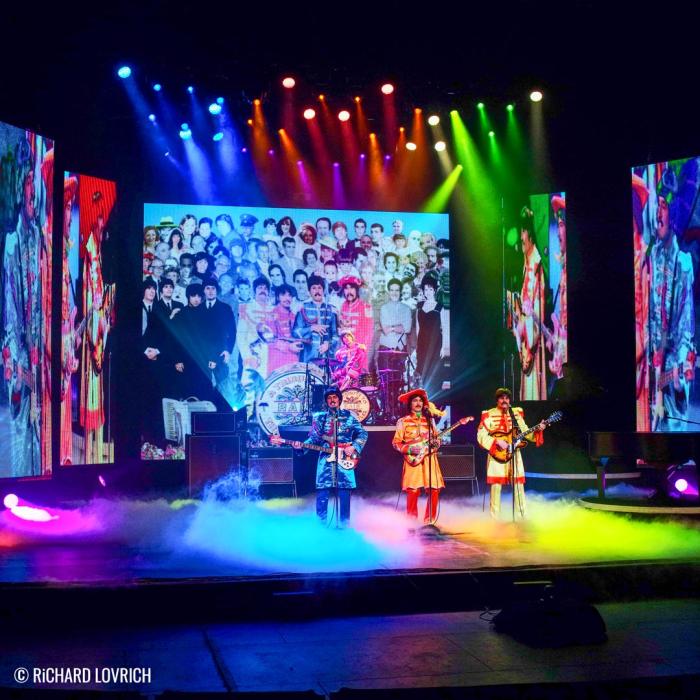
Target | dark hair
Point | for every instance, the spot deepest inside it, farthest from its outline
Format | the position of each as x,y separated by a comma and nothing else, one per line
391,255
331,262
187,256
166,282
503,391
429,281
300,272
150,284
261,282
284,289
306,253
242,280
280,268
211,282
379,226
288,239
187,217
286,220
393,280
315,279
176,232
269,221
194,290
323,218
206,220
360,221
258,243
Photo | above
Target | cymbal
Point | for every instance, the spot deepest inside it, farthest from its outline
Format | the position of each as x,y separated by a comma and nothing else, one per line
390,371
392,352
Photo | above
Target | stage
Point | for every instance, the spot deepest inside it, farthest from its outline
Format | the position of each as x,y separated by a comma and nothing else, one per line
146,560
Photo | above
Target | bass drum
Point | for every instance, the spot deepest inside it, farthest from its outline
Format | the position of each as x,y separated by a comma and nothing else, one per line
357,402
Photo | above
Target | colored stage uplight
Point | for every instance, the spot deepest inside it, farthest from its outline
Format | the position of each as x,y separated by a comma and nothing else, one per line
362,156
271,152
309,113
344,115
289,83
215,108
681,485
190,89
218,136
124,72
480,105
440,146
433,120
152,118
185,131
10,501
387,88
336,165
536,96
157,87
510,107
411,146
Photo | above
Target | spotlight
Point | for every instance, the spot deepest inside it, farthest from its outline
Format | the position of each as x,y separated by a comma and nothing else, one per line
362,156
492,134
309,113
244,150
219,100
11,501
271,152
218,136
433,120
167,154
190,89
387,88
256,102
387,157
102,481
440,146
214,108
417,110
250,122
402,129
157,87
411,146
480,105
681,485
336,165
344,115
357,98
152,118
289,83
124,72
536,96
299,162
321,97
510,107
185,131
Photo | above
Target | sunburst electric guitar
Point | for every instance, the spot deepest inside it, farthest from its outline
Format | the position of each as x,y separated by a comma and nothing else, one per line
415,459
518,441
344,461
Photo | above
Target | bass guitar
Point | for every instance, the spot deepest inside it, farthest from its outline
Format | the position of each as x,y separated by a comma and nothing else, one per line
415,459
344,461
518,441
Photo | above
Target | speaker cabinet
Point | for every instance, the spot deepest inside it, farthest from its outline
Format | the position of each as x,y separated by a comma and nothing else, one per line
272,465
458,464
209,457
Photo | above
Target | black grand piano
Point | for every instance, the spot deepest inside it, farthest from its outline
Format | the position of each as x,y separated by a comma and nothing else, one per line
654,449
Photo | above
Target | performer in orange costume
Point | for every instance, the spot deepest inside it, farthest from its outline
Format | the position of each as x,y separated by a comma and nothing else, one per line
426,475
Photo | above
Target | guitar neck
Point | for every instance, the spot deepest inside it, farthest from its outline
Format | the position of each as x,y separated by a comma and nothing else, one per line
447,431
319,448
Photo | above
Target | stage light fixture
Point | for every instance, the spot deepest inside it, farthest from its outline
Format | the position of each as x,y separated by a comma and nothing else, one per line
357,98
289,83
510,107
536,96
402,129
218,136
219,100
271,152
440,146
250,122
480,105
124,72
343,115
299,162
387,157
190,89
256,102
321,97
336,165
362,156
152,118
10,501
433,120
309,113
418,110
681,485
492,134
185,131
244,150
167,154
410,146
214,108
157,87
387,88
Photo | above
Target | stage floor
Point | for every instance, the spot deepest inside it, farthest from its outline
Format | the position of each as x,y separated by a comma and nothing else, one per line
122,541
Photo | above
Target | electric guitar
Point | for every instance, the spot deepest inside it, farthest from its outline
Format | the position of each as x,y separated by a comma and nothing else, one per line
662,379
415,459
518,441
344,461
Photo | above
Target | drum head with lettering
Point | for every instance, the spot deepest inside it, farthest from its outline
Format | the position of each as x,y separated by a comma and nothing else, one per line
356,401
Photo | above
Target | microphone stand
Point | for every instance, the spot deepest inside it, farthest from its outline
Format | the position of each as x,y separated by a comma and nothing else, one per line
513,433
334,470
431,528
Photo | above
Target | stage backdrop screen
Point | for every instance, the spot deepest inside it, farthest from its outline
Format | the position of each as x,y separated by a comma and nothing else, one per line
287,286
26,224
666,232
88,313
535,298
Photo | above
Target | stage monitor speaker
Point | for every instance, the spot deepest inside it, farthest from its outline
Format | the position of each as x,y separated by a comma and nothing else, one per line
457,462
209,457
218,423
272,465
